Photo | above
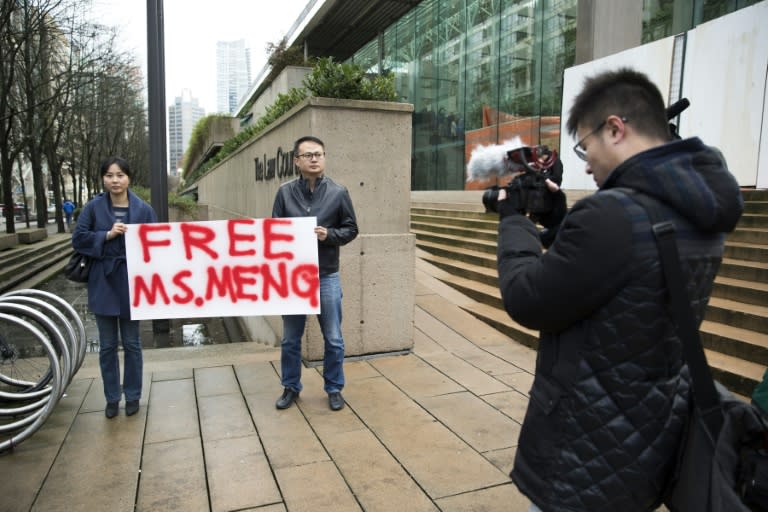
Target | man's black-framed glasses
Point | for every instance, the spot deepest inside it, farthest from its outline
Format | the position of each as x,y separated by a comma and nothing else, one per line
318,155
579,150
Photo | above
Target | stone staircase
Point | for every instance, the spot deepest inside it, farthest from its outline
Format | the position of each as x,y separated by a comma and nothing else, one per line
459,239
26,265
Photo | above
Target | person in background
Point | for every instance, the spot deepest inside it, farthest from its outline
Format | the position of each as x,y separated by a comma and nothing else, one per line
610,397
69,208
313,194
99,234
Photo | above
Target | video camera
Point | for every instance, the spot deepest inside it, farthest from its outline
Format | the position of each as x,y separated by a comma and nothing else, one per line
539,174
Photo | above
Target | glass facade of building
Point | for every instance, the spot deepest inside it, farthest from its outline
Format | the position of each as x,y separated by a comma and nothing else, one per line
483,71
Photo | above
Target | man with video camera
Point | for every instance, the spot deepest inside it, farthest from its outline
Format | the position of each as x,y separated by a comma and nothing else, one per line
610,395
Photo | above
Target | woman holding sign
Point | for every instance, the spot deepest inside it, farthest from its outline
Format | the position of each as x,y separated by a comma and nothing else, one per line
99,234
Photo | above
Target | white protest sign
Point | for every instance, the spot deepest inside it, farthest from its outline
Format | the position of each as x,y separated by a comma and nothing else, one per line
237,267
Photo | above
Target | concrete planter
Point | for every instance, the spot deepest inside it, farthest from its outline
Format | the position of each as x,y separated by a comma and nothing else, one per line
368,145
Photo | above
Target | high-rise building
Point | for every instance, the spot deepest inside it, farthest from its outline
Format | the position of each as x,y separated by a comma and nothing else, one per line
183,115
233,74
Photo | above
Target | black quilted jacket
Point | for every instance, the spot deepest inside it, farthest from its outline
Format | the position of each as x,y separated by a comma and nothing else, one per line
331,204
610,394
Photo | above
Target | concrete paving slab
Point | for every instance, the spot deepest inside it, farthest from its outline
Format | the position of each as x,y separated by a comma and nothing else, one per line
239,475
95,400
492,359
176,374
503,459
461,321
415,377
258,378
287,437
316,487
217,380
424,345
474,421
172,412
520,381
486,500
359,370
434,325
511,403
33,458
224,417
314,406
516,355
172,477
444,465
469,376
97,455
376,478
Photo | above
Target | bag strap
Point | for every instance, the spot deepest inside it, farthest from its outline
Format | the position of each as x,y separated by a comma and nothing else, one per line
707,397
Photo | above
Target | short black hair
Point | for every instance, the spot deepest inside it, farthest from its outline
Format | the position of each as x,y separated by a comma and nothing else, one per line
624,92
306,138
120,162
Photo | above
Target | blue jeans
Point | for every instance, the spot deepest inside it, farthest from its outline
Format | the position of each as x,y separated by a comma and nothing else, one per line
330,325
109,362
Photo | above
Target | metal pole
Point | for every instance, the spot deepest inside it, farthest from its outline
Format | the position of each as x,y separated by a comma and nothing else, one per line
158,179
156,89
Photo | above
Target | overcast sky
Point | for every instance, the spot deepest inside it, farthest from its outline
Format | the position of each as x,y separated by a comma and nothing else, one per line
192,29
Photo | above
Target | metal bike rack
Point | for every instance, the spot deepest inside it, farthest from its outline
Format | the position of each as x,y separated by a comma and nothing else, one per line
34,375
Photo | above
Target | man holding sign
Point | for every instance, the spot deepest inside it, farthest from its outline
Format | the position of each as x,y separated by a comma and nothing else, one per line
315,195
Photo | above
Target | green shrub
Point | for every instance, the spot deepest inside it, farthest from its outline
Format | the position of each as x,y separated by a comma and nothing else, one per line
185,204
197,138
331,79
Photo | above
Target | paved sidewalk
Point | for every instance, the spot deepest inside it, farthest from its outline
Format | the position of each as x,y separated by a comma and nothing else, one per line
432,430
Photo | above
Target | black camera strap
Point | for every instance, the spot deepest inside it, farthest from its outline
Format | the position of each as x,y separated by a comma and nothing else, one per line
706,397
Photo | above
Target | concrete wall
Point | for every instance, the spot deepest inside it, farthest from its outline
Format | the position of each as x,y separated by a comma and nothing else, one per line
606,27
368,146
290,77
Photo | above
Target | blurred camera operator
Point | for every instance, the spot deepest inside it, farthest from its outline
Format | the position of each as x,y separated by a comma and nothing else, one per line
610,395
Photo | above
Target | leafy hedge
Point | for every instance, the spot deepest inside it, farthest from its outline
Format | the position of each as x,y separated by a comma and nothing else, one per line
327,79
185,204
198,136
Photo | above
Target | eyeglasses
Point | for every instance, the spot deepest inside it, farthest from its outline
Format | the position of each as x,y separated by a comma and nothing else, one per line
579,150
309,156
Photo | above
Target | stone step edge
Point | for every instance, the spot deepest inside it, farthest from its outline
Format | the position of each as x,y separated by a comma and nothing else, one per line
732,368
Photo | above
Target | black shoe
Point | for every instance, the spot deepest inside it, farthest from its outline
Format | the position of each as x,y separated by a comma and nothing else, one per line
112,409
336,401
285,401
131,407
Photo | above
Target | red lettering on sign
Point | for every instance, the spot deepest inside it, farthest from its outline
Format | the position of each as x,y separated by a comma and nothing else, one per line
150,292
281,286
308,275
196,235
271,236
235,237
222,285
146,243
242,276
178,280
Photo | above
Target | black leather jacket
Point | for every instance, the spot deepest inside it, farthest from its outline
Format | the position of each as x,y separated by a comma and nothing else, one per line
331,204
610,396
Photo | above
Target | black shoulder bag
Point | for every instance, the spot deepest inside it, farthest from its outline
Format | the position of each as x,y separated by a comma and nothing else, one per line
78,268
722,464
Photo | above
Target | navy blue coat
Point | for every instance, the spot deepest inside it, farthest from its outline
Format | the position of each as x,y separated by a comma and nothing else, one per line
108,279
